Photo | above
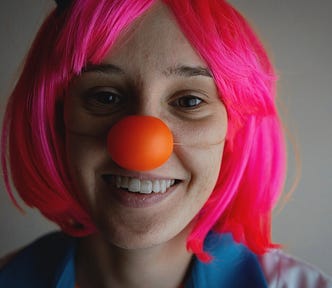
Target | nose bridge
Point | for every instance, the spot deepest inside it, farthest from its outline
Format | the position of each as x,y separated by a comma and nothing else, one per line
149,98
148,106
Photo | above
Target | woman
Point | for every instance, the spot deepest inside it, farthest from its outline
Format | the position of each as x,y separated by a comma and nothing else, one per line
199,217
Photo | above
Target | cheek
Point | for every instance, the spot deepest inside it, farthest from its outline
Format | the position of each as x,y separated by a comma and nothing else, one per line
205,167
84,156
200,150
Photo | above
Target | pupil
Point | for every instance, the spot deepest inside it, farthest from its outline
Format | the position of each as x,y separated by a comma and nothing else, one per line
189,102
106,98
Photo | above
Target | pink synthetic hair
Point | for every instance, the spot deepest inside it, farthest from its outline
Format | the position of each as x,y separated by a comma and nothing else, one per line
33,127
254,162
253,167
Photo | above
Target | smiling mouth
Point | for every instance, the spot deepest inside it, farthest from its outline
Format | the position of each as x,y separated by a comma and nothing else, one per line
140,186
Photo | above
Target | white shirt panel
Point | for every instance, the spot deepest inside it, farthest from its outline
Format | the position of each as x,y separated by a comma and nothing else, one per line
284,271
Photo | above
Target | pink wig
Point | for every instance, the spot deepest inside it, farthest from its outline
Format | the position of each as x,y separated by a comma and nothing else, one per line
253,168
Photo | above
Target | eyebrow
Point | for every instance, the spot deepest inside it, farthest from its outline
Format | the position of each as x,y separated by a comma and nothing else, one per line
180,70
103,68
187,71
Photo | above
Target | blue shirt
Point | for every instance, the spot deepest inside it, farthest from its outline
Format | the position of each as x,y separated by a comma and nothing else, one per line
49,263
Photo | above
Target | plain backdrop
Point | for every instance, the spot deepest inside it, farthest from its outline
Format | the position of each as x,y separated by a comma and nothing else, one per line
297,35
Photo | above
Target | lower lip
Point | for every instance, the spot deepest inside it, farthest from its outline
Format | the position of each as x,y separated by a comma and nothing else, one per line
138,200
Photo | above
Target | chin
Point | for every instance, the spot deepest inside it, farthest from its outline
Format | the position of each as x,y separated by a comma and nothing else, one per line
134,240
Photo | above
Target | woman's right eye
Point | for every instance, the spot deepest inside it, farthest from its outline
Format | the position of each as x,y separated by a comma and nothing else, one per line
102,102
106,97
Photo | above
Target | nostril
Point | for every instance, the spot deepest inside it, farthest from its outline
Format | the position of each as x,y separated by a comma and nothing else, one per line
140,143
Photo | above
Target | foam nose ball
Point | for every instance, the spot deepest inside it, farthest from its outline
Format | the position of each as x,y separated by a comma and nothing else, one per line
140,143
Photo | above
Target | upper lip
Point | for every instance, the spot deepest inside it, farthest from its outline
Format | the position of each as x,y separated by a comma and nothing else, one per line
141,176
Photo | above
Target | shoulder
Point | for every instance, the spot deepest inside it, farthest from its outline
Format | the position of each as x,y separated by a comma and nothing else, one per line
283,270
55,240
38,263
4,260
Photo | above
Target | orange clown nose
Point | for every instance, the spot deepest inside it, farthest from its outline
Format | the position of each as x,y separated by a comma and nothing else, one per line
140,143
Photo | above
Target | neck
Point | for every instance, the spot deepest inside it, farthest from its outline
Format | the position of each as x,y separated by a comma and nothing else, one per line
101,264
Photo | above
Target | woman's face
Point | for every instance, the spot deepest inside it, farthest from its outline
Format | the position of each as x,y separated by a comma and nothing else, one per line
152,70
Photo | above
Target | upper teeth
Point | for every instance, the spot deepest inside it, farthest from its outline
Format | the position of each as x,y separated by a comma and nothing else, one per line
143,186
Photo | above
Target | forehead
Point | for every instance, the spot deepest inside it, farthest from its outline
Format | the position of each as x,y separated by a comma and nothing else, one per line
154,39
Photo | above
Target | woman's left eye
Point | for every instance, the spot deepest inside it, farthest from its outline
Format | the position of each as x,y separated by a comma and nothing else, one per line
187,102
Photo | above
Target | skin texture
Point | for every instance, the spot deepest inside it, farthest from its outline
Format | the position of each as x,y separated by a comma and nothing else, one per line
147,77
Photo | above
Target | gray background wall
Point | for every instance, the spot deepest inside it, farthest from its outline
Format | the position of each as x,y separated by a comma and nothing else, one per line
297,35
